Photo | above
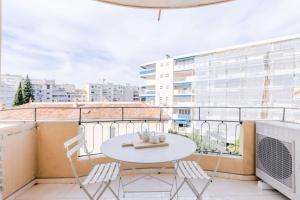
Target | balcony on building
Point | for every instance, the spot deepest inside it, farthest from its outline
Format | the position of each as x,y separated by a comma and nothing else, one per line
182,116
147,93
184,64
183,80
183,92
149,83
148,71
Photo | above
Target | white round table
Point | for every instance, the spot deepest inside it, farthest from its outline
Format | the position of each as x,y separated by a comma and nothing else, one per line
179,147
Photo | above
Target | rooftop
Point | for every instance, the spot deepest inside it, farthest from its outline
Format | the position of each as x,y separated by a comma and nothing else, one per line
88,111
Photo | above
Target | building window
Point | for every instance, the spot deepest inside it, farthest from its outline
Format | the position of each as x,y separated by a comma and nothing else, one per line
166,75
161,87
161,76
167,87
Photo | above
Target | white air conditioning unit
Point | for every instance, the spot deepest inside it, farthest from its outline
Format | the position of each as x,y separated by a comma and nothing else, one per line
278,156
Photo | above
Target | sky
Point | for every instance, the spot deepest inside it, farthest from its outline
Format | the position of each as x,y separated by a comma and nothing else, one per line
84,41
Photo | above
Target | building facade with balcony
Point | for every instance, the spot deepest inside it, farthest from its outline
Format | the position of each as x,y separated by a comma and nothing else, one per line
97,92
49,91
259,74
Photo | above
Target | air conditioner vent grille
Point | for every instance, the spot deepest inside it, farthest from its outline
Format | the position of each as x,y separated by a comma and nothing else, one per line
275,158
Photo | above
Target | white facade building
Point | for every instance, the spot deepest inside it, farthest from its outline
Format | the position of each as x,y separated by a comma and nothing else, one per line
49,91
259,74
112,92
42,90
8,88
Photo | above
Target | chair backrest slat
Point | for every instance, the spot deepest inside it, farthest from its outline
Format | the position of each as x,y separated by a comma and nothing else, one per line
78,140
73,140
74,149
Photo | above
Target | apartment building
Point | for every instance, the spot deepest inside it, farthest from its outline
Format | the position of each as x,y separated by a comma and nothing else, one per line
49,91
265,73
42,90
112,92
8,87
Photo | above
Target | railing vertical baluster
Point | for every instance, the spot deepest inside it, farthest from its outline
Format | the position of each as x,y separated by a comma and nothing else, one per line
160,114
35,114
79,120
240,114
283,114
199,113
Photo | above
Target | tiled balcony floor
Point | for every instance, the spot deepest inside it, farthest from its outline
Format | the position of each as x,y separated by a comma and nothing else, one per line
220,189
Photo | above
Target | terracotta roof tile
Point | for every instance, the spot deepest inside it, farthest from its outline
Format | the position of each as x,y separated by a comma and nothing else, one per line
102,111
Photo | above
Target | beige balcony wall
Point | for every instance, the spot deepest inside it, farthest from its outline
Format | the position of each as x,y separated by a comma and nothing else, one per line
19,157
53,163
244,165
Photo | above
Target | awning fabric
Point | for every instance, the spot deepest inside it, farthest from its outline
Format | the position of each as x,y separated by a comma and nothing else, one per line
163,4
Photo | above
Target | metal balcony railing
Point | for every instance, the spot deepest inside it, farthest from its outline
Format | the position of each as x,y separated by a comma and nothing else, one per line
183,92
182,116
151,71
147,93
103,123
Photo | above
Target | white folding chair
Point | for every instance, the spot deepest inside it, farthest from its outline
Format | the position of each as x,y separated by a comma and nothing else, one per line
100,173
191,170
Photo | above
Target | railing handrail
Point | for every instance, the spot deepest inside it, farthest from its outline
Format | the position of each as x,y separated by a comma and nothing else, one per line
162,107
161,110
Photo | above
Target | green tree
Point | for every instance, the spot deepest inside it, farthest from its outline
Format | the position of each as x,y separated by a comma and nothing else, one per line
19,100
28,91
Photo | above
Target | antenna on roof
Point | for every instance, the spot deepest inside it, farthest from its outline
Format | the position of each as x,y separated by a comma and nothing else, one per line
159,13
168,56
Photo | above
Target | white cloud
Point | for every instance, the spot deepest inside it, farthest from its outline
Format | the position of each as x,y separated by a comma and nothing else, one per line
82,41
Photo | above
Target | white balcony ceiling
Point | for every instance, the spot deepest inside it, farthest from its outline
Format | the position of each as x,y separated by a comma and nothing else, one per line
163,4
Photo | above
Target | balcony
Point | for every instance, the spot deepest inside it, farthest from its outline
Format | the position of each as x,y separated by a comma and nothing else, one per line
149,83
182,116
184,104
38,131
183,67
183,92
147,93
184,81
147,73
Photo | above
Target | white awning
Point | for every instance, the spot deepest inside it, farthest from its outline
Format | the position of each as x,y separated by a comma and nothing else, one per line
163,4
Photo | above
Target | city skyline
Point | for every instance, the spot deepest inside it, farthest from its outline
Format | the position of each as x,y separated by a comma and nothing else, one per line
80,45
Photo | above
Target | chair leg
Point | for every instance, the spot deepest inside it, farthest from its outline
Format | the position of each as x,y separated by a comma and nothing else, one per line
86,192
178,189
113,192
193,188
176,185
98,189
103,190
205,187
119,185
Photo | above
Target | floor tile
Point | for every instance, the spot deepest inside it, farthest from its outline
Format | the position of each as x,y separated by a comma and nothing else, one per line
219,189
